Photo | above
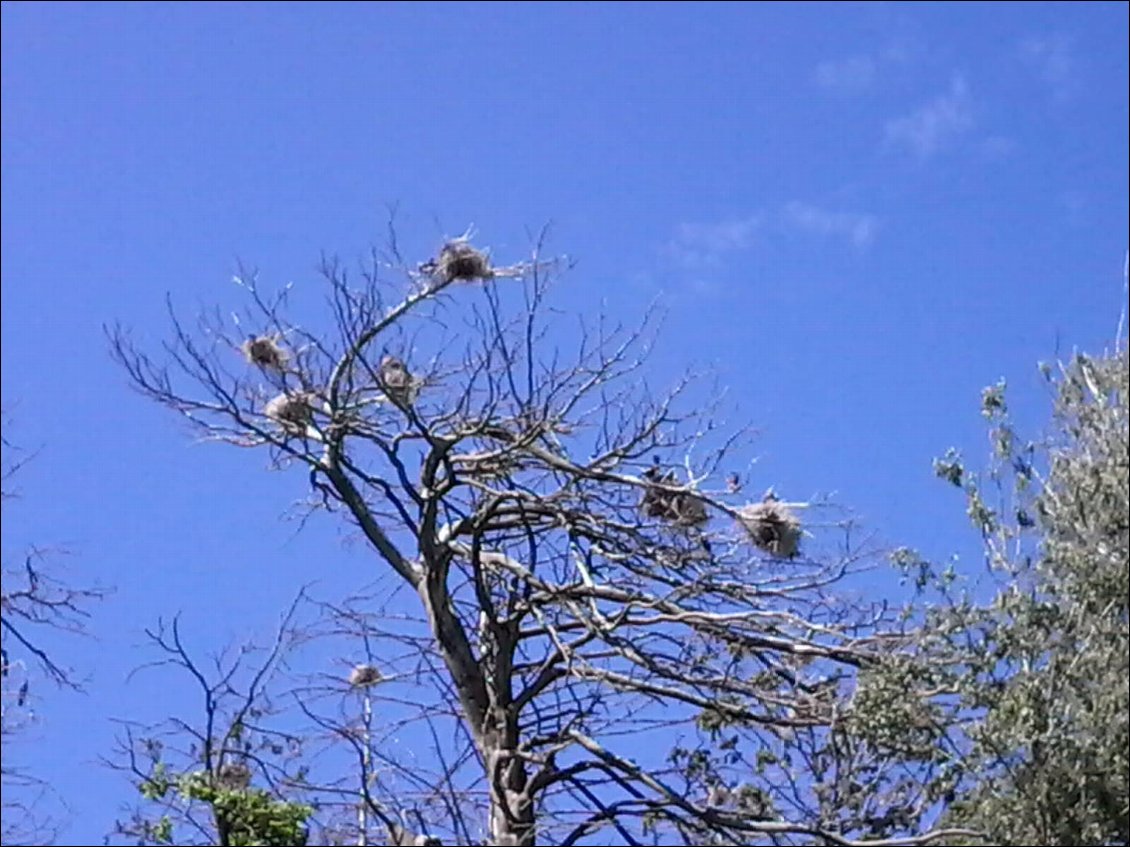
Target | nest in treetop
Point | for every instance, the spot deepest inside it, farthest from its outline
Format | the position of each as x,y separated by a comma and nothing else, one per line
688,510
459,260
772,527
264,351
680,508
363,676
291,410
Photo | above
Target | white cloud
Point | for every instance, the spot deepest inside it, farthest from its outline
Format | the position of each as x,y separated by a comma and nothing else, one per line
932,126
704,244
859,73
850,75
1053,61
858,229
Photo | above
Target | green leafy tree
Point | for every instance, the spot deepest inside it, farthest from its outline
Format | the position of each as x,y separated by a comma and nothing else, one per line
1043,671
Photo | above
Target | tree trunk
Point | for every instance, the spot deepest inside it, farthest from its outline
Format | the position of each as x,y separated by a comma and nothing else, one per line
511,810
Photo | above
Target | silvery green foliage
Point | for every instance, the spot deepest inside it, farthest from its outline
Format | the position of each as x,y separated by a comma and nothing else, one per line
1001,714
1046,664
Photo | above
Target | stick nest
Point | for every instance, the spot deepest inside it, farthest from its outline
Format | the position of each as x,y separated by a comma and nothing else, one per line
266,352
458,260
772,527
362,676
680,508
291,410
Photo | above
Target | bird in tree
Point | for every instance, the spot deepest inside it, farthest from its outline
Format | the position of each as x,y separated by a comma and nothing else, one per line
397,381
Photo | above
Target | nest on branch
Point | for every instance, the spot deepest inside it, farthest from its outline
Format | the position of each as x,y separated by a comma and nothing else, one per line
293,411
772,527
265,352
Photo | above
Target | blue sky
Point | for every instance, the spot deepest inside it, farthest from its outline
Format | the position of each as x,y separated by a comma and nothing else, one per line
855,215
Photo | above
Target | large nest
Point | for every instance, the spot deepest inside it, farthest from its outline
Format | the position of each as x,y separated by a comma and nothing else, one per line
291,410
458,260
362,676
678,507
265,351
772,527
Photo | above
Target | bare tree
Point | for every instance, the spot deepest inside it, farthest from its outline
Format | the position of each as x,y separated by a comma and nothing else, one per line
598,638
35,604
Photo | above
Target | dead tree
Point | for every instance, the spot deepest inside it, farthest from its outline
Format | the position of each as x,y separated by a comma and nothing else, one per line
568,628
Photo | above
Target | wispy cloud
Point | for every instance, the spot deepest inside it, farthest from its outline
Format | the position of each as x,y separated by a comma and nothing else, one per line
863,71
858,229
846,76
1052,59
935,124
706,244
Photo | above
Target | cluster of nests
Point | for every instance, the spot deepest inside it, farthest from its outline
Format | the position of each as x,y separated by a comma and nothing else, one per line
770,524
294,410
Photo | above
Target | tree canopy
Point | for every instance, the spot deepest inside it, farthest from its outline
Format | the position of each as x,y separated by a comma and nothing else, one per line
1048,660
583,629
